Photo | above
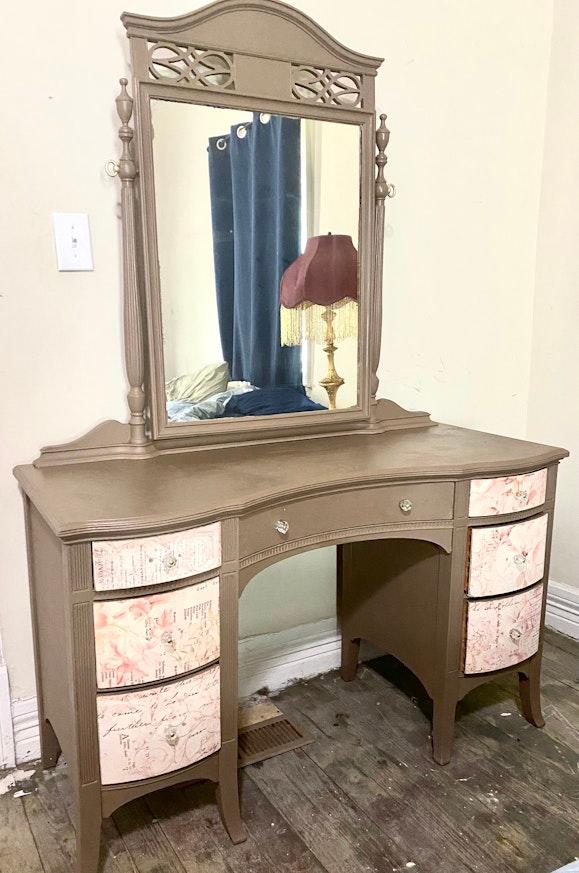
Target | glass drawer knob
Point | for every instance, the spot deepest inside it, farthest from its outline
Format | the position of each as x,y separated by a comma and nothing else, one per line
281,526
522,495
515,634
405,505
168,639
171,736
520,560
170,562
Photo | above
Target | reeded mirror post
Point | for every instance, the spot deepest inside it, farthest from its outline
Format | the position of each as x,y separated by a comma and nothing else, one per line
132,314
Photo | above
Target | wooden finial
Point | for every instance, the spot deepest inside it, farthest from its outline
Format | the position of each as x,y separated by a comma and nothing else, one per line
382,140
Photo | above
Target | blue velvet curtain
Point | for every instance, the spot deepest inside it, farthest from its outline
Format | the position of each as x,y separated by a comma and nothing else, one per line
255,208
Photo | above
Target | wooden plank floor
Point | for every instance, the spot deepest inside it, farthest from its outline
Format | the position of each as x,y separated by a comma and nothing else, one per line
365,797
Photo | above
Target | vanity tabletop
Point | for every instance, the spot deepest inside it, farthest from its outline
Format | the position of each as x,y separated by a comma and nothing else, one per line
196,486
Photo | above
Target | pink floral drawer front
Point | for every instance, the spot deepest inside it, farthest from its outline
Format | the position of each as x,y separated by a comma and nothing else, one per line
502,632
152,731
507,494
147,638
154,560
507,557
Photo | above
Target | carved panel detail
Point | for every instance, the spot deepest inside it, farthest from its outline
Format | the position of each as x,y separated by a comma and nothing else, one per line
195,67
332,87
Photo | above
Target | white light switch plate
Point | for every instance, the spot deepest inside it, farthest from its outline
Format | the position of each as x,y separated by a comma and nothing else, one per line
72,238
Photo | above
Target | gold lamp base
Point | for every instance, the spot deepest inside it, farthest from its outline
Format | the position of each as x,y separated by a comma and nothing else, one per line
332,380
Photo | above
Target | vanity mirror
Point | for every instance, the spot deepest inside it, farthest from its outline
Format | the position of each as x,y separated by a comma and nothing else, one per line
257,220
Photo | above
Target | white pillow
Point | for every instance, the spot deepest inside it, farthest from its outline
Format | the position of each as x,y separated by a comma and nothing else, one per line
197,386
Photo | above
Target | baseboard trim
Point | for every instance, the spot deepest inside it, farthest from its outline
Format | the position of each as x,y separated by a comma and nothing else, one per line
26,730
562,612
7,752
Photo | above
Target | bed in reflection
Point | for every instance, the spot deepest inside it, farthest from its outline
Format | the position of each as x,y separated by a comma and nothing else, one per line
209,393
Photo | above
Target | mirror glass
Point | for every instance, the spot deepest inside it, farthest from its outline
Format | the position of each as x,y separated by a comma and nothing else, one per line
257,232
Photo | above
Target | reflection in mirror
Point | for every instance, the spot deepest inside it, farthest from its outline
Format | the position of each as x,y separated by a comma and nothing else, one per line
257,229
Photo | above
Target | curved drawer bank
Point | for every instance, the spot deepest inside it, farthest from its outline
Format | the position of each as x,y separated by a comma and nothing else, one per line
143,639
157,730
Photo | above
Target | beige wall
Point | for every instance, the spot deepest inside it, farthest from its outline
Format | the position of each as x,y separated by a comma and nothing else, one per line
554,388
465,87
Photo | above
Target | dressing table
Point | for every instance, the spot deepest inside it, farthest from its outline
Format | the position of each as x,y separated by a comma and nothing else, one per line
142,536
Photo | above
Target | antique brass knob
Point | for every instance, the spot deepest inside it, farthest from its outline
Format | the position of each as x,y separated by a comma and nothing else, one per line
405,505
172,736
515,634
281,526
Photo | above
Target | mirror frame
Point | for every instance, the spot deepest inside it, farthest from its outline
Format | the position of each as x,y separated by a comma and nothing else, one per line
263,44
260,43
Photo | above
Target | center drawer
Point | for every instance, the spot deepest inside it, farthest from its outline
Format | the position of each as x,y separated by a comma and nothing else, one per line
310,519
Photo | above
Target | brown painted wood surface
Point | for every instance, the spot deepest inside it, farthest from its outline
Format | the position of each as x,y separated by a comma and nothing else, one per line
123,497
364,796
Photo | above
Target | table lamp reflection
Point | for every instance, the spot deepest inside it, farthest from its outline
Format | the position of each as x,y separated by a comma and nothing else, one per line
319,300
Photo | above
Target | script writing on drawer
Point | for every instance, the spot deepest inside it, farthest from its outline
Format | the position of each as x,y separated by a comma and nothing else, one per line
157,730
142,639
155,560
503,631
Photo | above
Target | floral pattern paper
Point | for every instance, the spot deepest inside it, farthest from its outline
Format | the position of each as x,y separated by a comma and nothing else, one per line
155,560
507,494
152,731
143,639
502,632
507,557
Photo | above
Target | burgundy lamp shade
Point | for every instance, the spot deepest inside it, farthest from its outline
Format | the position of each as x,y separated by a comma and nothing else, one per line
326,275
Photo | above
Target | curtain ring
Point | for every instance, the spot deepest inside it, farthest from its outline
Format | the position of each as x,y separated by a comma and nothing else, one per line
264,117
242,131
221,144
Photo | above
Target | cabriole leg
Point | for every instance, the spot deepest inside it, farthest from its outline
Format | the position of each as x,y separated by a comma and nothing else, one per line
443,715
530,691
228,792
350,658
88,834
50,746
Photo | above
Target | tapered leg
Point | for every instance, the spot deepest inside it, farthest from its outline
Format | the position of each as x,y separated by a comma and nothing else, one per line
530,691
443,715
350,658
50,746
88,834
228,793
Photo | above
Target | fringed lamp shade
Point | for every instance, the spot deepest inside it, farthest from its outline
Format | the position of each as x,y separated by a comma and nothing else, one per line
324,277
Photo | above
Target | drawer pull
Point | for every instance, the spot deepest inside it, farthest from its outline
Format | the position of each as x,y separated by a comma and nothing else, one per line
515,634
405,505
282,526
172,736
520,559
168,639
522,495
169,562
